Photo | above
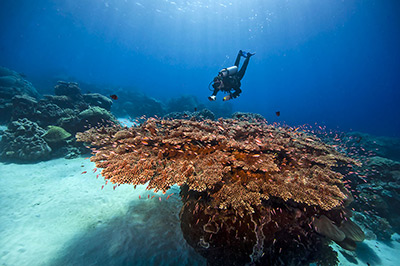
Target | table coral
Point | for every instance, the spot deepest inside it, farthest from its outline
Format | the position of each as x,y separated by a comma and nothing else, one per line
251,190
239,163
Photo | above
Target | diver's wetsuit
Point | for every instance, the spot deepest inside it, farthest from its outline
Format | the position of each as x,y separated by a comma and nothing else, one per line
231,81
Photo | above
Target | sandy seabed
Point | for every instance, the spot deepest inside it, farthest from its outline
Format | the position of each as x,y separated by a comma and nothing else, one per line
56,213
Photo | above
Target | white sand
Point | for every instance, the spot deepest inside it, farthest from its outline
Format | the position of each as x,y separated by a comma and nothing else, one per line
373,252
52,214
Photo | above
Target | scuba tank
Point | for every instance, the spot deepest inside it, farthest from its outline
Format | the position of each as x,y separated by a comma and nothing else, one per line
225,72
228,71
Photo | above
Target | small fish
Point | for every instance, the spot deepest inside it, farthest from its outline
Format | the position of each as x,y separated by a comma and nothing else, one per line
159,198
278,113
84,172
102,186
139,196
114,97
170,195
195,109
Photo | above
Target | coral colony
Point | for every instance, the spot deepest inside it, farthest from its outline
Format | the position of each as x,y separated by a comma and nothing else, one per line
252,192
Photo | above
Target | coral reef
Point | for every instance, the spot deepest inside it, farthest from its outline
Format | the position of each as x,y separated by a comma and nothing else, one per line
376,184
252,117
133,103
380,196
69,89
205,155
68,109
220,109
13,84
23,142
198,115
65,113
183,103
96,99
56,134
264,185
93,116
381,146
346,235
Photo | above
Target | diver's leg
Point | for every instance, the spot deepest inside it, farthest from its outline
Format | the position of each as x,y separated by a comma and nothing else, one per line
237,61
215,92
240,74
213,96
236,93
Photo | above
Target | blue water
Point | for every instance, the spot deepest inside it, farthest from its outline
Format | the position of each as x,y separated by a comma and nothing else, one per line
325,62
331,62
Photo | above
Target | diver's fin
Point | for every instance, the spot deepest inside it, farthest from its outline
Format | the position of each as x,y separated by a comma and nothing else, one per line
246,54
212,98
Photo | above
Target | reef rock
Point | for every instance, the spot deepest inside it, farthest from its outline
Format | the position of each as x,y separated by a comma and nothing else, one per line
70,89
252,117
96,99
385,147
23,142
135,104
95,114
56,134
24,106
13,84
183,103
61,101
325,226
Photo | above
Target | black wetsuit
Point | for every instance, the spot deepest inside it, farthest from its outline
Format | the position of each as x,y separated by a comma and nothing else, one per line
232,82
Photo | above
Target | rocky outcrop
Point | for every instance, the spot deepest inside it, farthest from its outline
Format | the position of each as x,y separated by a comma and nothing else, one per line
13,84
23,142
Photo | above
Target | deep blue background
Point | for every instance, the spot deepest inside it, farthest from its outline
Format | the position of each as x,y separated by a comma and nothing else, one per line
332,62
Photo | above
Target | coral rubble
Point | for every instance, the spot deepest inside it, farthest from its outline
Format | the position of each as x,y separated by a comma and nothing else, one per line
254,185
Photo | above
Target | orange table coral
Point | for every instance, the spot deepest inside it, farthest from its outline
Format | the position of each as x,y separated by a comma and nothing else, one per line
238,163
252,192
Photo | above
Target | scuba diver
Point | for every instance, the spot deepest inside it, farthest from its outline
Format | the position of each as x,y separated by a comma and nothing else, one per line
228,79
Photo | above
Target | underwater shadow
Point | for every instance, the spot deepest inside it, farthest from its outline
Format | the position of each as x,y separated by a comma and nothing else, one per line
349,257
367,254
148,233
